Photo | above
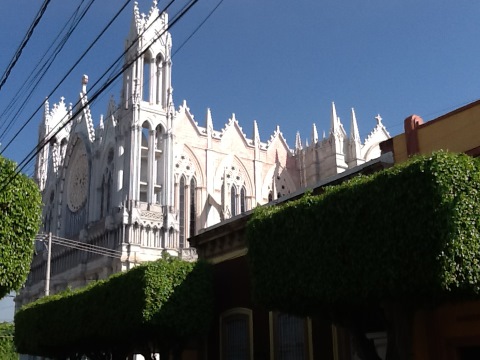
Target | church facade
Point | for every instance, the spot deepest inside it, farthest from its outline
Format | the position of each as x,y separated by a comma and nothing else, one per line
148,175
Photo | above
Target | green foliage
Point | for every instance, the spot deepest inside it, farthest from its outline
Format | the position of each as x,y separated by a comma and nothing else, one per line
151,305
7,348
410,233
20,212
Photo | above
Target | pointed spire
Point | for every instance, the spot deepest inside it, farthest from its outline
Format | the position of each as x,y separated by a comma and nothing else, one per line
333,119
306,143
84,84
209,121
101,125
298,142
256,134
323,134
46,108
314,134
354,133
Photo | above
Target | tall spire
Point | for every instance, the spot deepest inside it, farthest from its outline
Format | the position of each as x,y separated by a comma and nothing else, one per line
333,120
209,128
256,134
209,122
314,134
354,133
298,142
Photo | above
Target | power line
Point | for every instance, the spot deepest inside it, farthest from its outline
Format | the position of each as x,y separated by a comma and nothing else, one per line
66,75
197,28
46,140
72,68
39,72
24,42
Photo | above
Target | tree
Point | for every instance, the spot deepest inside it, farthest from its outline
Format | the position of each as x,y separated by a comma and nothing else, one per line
7,347
383,245
20,214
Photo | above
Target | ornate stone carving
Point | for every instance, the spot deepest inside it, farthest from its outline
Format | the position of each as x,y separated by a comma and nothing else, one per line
77,187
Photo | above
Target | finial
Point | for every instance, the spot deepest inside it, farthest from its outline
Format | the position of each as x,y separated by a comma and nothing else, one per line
101,125
298,141
354,133
379,119
314,134
84,84
209,121
256,134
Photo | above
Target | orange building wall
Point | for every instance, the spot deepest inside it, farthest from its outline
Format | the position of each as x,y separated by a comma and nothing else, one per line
457,131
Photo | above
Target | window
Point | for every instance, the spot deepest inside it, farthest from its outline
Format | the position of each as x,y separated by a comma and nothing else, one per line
144,162
147,73
193,210
236,332
233,200
290,337
243,200
181,211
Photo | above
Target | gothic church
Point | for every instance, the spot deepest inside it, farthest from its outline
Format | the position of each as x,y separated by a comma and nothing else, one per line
148,176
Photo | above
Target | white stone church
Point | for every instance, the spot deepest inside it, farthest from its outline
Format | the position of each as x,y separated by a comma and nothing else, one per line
147,176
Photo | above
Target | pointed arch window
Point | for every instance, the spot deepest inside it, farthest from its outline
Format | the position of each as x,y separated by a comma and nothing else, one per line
233,200
243,200
144,161
187,209
181,212
193,209
159,165
147,77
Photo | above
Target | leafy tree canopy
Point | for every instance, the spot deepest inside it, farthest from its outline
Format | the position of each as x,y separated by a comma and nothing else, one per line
20,213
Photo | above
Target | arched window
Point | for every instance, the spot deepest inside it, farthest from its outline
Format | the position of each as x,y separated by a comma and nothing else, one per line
243,200
233,200
181,211
193,209
144,162
159,165
147,77
102,197
108,192
160,79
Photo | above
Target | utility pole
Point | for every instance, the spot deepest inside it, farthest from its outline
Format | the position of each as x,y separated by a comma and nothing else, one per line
49,258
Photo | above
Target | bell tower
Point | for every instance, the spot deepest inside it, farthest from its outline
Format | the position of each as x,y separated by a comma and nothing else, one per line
147,109
148,80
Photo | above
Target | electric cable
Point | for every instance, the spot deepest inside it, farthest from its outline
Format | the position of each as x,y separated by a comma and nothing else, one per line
197,28
102,88
66,75
24,43
37,75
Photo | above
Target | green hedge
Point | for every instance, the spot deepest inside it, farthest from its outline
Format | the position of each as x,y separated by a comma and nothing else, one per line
409,233
154,304
7,348
20,212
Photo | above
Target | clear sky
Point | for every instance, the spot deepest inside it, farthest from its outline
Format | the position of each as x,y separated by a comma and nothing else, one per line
275,61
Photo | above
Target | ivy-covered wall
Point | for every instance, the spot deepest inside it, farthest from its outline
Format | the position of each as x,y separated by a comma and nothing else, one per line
409,234
151,306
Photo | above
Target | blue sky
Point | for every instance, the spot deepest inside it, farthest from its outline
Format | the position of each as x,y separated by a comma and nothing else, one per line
274,61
